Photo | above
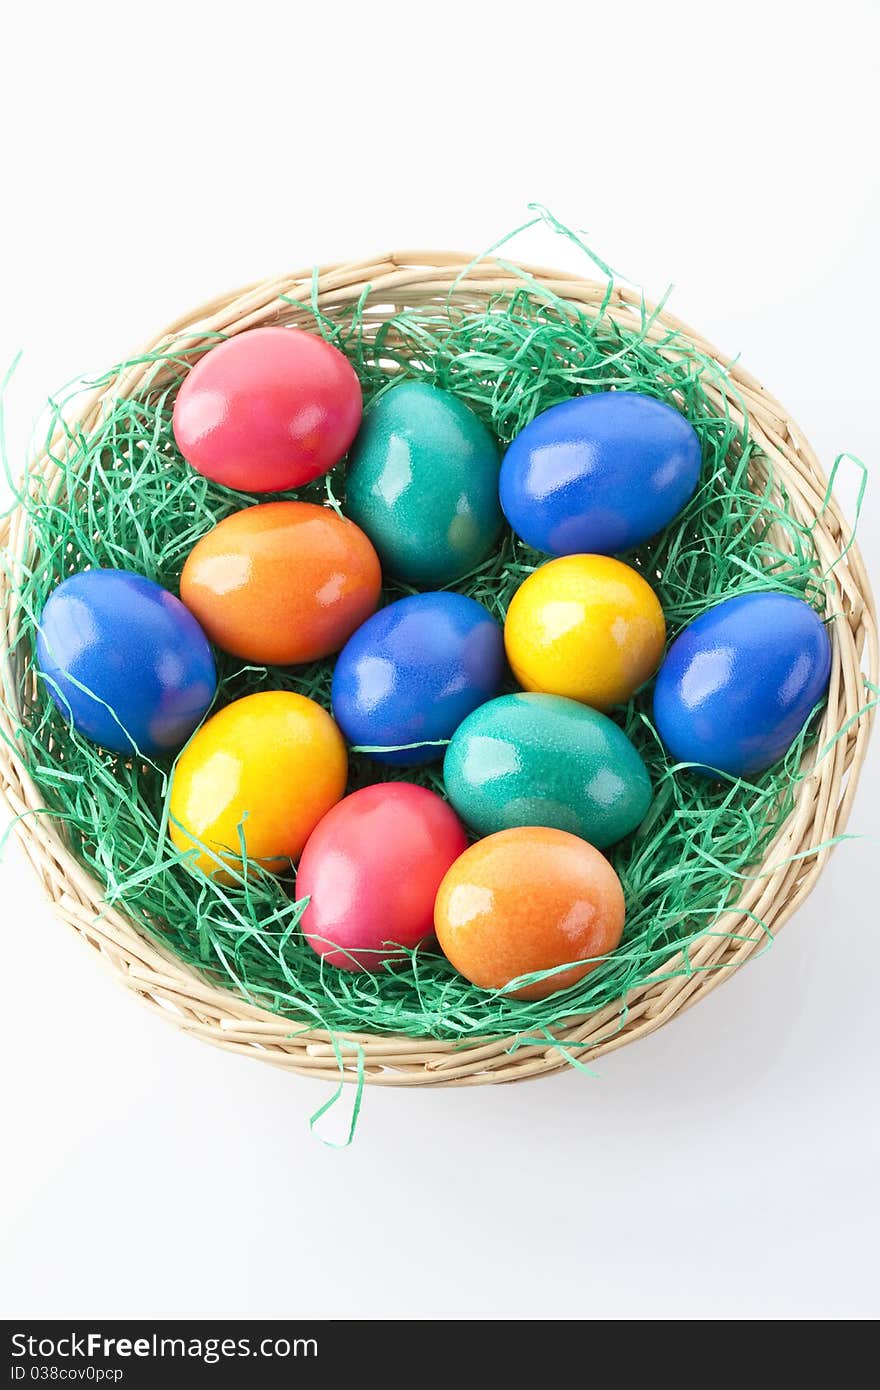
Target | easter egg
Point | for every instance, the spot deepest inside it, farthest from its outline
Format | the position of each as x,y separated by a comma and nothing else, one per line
411,674
527,900
269,409
282,583
739,683
371,870
587,627
423,483
125,662
263,771
543,760
599,474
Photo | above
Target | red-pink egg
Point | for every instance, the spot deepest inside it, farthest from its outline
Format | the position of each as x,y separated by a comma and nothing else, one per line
267,410
371,869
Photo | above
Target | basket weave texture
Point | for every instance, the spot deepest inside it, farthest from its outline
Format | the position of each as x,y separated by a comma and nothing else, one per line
409,279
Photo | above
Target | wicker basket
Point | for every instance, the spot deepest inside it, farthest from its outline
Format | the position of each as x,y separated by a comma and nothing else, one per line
408,279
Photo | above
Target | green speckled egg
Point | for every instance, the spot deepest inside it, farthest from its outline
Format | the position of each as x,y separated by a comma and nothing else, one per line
423,484
531,759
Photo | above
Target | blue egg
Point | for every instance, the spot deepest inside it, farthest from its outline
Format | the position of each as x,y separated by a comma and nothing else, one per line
125,662
738,684
413,672
599,474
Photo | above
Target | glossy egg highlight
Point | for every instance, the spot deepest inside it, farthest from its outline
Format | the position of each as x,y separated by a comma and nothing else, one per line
587,627
371,869
126,663
599,474
269,409
265,768
533,759
739,683
529,900
282,583
408,677
422,481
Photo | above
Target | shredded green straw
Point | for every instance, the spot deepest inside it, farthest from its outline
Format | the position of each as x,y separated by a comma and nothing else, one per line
129,501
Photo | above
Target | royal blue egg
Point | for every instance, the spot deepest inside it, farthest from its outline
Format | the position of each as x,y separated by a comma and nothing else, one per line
413,672
599,474
125,662
739,683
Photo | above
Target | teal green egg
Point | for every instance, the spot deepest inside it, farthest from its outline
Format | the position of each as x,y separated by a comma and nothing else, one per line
530,759
423,484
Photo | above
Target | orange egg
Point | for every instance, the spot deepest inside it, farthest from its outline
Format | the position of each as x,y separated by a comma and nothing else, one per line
526,900
282,583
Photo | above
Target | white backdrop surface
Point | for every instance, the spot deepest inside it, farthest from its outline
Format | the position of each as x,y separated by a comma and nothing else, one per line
725,1167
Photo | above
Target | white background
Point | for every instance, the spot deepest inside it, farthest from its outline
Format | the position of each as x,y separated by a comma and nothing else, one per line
155,155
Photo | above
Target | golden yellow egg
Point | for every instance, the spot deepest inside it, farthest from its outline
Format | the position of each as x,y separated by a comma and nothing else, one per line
585,626
264,770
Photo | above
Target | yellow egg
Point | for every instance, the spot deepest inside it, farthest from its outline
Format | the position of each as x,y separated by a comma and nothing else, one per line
585,626
265,768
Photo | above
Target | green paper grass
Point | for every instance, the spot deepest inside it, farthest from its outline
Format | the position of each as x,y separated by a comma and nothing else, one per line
128,500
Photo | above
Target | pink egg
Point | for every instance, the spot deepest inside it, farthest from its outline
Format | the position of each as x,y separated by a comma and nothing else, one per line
372,868
267,410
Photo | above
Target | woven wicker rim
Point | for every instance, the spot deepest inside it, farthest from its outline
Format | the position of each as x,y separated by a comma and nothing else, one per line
407,279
